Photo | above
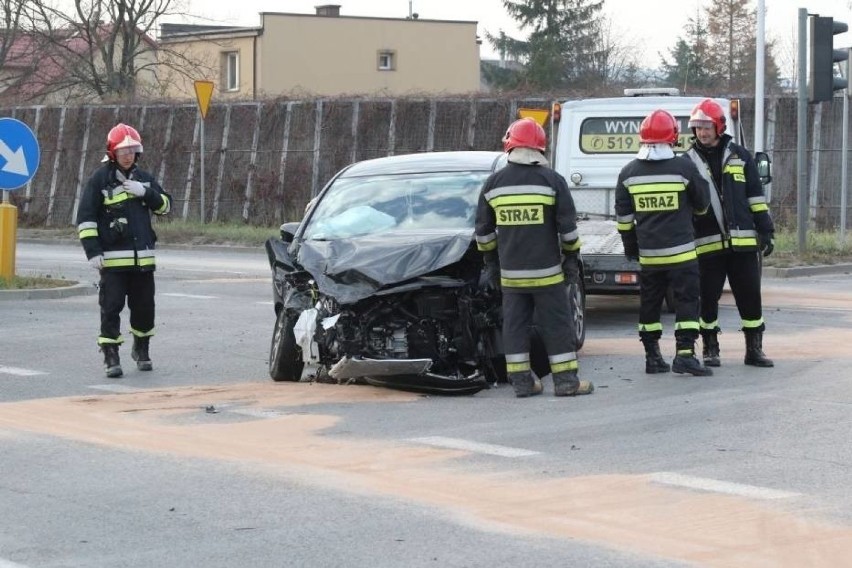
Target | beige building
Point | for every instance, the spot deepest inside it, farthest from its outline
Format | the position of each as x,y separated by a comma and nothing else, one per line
326,54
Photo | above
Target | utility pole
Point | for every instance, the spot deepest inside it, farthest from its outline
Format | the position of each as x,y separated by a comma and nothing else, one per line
802,133
759,79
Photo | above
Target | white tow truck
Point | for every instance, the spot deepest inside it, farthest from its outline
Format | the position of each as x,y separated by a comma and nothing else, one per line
592,139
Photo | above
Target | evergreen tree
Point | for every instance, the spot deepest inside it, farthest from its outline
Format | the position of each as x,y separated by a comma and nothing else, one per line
688,69
563,48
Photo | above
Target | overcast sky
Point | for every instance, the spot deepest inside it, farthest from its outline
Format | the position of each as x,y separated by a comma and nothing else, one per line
652,26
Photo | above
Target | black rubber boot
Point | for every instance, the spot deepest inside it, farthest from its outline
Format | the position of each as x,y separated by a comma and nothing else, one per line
710,351
567,384
754,349
686,362
654,362
523,383
112,363
140,353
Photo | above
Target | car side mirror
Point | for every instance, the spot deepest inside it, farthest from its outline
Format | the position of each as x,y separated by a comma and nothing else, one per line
288,231
764,170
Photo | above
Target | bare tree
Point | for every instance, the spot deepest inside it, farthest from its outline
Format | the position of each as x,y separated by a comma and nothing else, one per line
19,49
732,55
617,61
106,49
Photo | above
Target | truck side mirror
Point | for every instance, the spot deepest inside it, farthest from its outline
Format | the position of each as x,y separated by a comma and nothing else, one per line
764,170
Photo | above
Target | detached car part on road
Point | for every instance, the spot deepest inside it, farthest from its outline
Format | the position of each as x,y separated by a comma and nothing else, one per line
378,282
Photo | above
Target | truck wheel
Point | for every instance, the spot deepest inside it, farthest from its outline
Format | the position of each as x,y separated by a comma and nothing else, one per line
577,299
285,357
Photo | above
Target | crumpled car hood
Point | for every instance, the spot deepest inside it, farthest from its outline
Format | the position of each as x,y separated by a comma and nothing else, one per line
353,269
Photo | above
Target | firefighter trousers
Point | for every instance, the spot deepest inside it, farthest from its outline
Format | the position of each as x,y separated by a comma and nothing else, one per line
549,309
653,286
742,269
138,288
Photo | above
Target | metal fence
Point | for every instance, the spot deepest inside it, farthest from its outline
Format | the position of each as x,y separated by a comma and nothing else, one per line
264,160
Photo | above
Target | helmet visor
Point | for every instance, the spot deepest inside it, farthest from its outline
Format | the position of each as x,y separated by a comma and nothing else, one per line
701,124
127,151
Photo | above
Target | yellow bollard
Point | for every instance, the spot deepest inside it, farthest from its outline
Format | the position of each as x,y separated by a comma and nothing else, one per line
8,237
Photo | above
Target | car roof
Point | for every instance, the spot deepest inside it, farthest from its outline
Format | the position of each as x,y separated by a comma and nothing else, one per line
425,162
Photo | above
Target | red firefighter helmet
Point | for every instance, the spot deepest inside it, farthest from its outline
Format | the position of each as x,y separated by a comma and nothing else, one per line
659,127
706,112
123,136
525,133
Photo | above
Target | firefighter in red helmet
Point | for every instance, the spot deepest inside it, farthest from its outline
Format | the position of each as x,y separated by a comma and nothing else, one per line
655,198
114,225
729,240
526,229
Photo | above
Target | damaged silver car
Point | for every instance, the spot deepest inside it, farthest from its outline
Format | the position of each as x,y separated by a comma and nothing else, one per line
379,282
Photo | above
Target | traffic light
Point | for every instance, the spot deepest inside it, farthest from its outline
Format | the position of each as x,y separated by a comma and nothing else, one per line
822,82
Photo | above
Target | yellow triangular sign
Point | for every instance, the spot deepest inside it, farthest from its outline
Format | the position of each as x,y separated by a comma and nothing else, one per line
537,114
203,92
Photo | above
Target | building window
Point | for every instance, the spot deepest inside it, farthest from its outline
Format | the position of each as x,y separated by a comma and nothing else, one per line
387,60
231,71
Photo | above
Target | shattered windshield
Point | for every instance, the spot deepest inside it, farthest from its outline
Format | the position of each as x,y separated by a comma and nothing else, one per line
403,202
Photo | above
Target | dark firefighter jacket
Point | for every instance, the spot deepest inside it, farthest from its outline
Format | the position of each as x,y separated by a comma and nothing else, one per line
654,205
117,224
739,212
529,210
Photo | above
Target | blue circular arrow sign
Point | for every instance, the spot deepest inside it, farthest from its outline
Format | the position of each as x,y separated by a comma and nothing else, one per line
19,154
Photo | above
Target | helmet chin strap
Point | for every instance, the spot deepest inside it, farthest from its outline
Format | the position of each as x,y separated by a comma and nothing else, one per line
121,174
527,157
655,152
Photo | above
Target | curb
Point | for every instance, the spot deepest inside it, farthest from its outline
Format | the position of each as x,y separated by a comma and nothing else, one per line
817,270
78,289
160,246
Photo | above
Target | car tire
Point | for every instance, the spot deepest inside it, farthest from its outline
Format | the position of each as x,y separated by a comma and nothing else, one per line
285,357
577,299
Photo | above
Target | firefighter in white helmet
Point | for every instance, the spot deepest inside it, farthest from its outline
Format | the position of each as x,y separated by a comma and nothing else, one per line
114,225
730,238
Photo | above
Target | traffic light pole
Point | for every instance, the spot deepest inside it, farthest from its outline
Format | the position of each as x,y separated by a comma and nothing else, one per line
802,134
844,152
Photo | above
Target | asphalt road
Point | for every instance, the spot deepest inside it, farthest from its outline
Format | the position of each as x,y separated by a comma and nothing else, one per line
206,462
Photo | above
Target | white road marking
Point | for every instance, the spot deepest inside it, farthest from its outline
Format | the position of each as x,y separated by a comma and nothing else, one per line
193,296
270,303
716,486
467,445
9,564
113,388
20,372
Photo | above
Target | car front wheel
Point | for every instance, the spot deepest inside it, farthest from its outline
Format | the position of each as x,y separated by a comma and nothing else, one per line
577,298
285,357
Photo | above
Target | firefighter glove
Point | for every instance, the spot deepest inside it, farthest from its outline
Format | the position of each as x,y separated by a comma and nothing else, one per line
489,278
134,187
767,244
571,268
97,262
